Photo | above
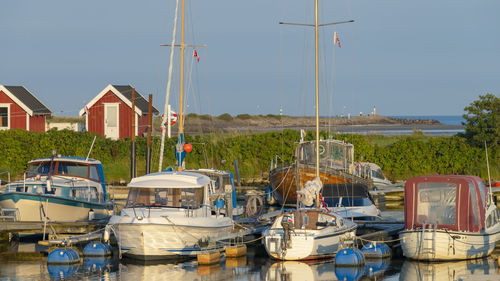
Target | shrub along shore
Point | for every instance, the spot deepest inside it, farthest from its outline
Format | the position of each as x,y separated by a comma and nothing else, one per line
400,157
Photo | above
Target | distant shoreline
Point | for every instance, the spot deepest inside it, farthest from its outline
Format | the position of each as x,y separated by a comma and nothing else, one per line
196,124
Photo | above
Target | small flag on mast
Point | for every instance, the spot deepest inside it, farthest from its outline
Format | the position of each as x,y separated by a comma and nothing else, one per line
195,54
336,38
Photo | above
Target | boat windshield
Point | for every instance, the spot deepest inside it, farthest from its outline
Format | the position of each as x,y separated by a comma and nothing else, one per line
64,169
165,197
378,174
436,203
348,202
40,168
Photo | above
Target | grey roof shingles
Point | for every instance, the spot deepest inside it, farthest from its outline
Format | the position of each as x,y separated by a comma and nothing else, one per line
29,100
140,101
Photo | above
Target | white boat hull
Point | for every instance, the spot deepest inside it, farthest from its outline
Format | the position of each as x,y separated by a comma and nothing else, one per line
35,208
444,245
308,234
307,245
166,234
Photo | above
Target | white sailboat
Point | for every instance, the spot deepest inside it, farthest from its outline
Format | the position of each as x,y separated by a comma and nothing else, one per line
170,213
309,233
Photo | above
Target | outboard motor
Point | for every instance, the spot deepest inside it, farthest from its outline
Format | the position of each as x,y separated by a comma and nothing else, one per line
287,224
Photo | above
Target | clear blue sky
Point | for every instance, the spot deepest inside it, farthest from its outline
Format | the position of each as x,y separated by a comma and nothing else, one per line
404,57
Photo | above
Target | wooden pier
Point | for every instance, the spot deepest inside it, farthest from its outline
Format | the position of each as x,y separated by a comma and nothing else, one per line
80,227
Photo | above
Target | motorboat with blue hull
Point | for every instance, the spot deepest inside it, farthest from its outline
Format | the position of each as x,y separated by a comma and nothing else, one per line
59,189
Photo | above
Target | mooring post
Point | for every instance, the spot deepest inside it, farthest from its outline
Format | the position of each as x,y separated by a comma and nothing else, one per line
236,171
132,145
150,125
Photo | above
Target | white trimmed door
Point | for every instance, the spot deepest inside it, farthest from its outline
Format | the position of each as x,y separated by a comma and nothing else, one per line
111,120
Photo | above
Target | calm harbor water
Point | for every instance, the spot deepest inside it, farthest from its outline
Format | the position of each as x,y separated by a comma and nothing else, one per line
252,267
256,265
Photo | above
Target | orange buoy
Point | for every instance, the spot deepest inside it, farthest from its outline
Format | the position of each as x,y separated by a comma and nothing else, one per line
188,147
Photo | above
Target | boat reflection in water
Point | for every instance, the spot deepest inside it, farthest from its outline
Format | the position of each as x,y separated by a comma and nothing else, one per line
326,270
133,270
449,271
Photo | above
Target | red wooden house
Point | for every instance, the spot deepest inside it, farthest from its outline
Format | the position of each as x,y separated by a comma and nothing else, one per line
110,112
20,109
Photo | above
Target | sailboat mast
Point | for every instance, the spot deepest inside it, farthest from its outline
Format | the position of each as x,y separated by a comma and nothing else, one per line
180,144
316,38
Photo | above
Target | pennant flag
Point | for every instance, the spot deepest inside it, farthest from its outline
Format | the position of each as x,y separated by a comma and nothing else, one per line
195,54
336,38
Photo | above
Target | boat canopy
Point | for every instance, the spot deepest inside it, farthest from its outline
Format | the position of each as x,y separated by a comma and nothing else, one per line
452,202
170,180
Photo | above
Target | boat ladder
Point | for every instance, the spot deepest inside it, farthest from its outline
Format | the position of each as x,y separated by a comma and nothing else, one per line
428,245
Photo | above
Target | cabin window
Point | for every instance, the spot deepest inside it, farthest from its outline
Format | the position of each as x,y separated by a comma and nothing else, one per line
42,168
4,117
474,203
226,180
378,174
436,203
73,169
165,197
94,174
307,154
336,153
482,191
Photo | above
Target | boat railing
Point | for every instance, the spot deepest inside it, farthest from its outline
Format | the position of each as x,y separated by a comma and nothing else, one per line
274,164
8,175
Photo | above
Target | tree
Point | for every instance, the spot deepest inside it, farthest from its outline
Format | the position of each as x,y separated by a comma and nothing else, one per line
483,121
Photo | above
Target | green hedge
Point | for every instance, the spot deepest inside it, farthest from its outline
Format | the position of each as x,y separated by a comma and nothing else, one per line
400,157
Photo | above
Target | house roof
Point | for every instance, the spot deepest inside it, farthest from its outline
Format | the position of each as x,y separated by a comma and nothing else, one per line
26,100
140,101
123,92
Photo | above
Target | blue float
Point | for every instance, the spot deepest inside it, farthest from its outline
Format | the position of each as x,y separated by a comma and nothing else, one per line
62,271
97,249
63,256
219,203
376,250
96,264
349,257
349,273
374,267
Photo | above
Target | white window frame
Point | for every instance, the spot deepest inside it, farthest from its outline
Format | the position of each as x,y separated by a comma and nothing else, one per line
7,105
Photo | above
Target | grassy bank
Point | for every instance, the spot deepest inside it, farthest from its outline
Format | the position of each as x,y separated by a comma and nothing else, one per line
400,157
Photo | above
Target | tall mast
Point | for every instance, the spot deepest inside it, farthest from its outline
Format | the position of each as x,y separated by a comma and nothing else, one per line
316,38
180,143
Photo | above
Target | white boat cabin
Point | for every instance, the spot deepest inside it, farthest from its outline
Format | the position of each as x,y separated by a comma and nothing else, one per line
168,190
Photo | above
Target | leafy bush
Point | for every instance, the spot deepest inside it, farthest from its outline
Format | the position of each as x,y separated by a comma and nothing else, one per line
400,157
225,117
